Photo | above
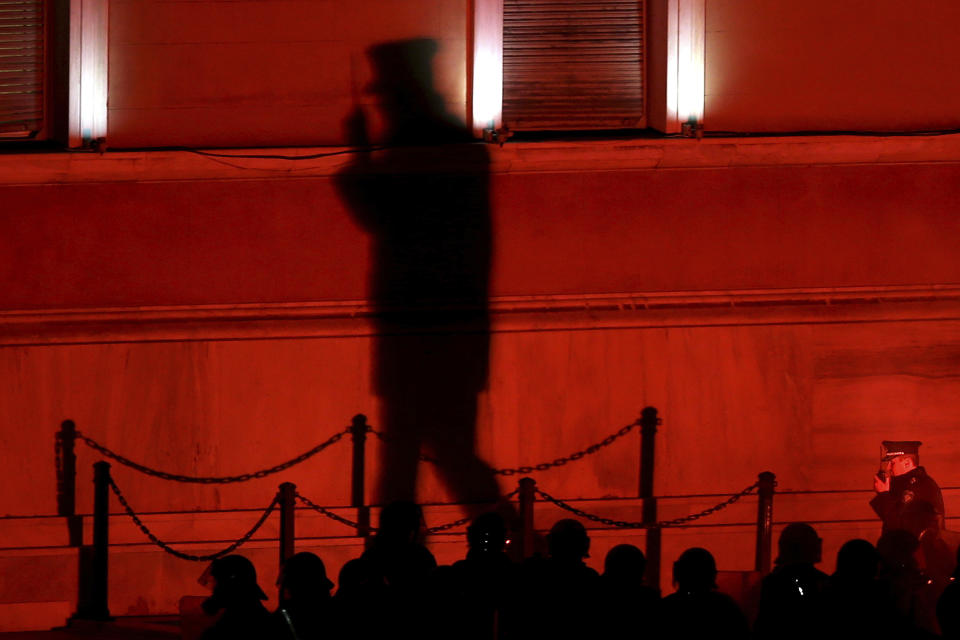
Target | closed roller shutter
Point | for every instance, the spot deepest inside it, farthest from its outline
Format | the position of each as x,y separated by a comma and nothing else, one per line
21,67
573,64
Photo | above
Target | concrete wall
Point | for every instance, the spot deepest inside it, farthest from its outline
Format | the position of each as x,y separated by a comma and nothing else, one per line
257,73
256,241
882,65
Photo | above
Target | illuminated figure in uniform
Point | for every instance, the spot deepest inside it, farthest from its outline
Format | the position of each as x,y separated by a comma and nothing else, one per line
908,499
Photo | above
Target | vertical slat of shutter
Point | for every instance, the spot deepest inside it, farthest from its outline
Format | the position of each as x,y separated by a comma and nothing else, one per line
21,67
573,64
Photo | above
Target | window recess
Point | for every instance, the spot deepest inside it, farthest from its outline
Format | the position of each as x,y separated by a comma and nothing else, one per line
573,64
22,79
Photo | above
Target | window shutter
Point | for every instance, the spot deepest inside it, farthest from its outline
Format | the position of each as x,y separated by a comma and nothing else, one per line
21,67
573,64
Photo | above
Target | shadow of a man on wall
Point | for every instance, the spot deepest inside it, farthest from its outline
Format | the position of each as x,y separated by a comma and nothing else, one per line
423,199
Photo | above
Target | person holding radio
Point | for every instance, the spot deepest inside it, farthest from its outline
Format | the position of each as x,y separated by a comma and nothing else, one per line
907,498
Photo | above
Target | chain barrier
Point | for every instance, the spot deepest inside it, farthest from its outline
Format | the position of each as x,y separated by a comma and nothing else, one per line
462,521
243,477
350,523
93,444
188,556
330,514
661,524
543,466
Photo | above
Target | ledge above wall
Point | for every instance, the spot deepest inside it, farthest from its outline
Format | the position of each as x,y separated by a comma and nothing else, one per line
508,315
513,157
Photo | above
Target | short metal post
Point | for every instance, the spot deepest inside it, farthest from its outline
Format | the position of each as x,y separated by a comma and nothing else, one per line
66,469
649,420
287,520
767,481
528,495
67,481
358,433
95,607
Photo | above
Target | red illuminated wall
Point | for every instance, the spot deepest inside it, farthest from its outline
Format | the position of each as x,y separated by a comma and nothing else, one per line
785,305
797,386
572,233
251,73
824,66
288,72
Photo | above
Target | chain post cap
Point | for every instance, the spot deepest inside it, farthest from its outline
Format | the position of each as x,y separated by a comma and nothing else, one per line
68,426
358,426
649,417
767,480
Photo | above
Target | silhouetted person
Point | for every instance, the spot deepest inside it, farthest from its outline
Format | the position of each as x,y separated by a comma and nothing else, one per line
424,201
236,599
305,609
696,609
948,606
854,603
485,580
628,607
361,601
791,597
910,596
399,561
561,590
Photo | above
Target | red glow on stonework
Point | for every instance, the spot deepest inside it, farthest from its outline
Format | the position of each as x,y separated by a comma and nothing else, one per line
299,308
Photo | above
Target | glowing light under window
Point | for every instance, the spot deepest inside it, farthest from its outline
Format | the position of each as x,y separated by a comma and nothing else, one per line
487,90
88,70
685,61
487,108
93,103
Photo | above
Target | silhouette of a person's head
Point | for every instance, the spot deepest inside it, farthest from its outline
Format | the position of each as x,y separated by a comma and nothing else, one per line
625,563
401,522
404,87
304,576
356,578
695,571
798,544
568,541
897,548
857,560
234,583
487,534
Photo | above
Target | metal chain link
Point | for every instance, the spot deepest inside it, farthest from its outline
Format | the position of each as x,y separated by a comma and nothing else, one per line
573,457
189,556
625,524
450,525
543,466
465,520
93,444
350,523
330,514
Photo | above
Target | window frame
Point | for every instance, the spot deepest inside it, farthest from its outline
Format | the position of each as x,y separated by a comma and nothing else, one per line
673,73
